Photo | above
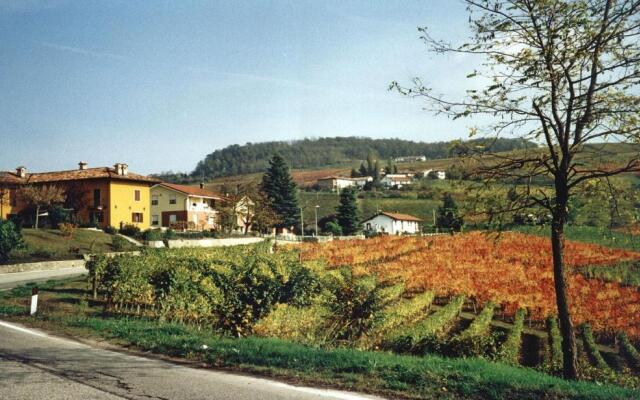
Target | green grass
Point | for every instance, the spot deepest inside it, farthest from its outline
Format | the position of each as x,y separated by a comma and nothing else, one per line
49,244
588,234
64,309
428,377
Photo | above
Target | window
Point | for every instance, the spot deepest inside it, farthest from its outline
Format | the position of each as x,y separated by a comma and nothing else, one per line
155,220
172,199
136,195
173,219
154,200
96,198
136,217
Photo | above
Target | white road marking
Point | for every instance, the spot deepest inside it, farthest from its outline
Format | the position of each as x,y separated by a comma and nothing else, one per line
40,334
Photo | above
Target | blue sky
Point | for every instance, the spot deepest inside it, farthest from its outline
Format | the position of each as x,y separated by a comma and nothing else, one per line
161,84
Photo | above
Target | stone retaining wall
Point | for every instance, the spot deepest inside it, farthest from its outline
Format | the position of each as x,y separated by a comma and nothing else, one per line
179,243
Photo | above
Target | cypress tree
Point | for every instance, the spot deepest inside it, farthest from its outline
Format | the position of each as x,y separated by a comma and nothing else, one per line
348,215
280,189
448,217
363,170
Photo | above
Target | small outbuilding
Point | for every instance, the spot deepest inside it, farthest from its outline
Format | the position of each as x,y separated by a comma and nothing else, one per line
393,223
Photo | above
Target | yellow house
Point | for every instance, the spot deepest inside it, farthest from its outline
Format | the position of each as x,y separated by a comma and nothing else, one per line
109,196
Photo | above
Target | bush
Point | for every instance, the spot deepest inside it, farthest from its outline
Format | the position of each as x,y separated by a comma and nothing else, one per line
152,235
354,302
130,230
170,234
110,230
118,243
10,239
58,215
67,230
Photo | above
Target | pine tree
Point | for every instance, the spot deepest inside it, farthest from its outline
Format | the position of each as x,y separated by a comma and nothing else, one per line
363,170
280,190
448,217
348,215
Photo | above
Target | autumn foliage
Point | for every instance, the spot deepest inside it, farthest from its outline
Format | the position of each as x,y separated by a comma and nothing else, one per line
512,269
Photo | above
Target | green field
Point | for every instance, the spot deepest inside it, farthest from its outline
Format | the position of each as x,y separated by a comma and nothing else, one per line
49,244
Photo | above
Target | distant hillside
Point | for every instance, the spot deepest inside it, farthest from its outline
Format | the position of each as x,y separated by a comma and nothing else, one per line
321,153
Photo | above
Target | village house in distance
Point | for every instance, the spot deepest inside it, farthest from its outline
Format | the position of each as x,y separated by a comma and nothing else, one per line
392,223
337,183
106,196
184,207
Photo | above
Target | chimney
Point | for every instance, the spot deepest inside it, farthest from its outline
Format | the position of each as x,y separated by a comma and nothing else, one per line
21,172
201,185
121,168
82,165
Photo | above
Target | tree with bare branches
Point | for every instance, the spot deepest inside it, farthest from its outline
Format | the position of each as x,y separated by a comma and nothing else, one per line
564,73
41,196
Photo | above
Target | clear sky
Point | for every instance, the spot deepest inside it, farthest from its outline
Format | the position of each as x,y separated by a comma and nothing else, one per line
160,84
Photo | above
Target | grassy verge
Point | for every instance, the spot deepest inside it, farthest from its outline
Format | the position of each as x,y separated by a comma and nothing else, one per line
66,310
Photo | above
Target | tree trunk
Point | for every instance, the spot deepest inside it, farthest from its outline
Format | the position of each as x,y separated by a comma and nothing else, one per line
569,351
37,216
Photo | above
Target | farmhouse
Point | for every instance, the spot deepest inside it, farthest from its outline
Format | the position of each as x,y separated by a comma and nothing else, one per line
337,183
393,223
104,195
183,207
396,180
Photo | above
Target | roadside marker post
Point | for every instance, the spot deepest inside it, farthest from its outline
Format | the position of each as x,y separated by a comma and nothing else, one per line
34,300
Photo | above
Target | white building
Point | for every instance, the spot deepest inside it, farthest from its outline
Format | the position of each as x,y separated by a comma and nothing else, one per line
393,223
410,159
337,183
396,180
439,174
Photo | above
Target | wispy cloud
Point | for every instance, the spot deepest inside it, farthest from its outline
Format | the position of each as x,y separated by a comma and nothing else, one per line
84,52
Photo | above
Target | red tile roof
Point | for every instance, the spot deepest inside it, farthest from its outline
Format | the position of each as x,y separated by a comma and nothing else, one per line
401,217
72,175
193,191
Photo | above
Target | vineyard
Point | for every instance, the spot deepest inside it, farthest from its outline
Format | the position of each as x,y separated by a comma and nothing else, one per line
468,295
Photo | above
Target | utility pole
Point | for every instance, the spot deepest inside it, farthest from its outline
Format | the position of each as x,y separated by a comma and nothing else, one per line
302,221
316,209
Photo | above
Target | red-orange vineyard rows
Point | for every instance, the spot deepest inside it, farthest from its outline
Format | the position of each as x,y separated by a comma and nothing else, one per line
512,269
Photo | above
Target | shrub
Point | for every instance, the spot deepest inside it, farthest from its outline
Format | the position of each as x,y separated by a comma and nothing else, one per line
333,228
591,348
118,243
67,230
130,230
10,239
170,234
152,235
110,230
628,350
58,215
354,302
510,350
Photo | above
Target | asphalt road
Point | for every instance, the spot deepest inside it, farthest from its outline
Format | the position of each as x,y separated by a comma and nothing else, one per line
10,280
34,365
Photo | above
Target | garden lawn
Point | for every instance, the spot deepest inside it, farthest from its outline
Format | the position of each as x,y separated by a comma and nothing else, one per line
49,244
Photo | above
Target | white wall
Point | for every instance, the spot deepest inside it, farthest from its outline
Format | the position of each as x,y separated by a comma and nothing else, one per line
382,223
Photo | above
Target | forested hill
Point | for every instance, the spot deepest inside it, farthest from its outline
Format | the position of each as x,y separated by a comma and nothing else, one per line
323,152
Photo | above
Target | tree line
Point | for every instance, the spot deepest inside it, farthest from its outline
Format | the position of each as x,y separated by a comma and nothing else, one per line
322,152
